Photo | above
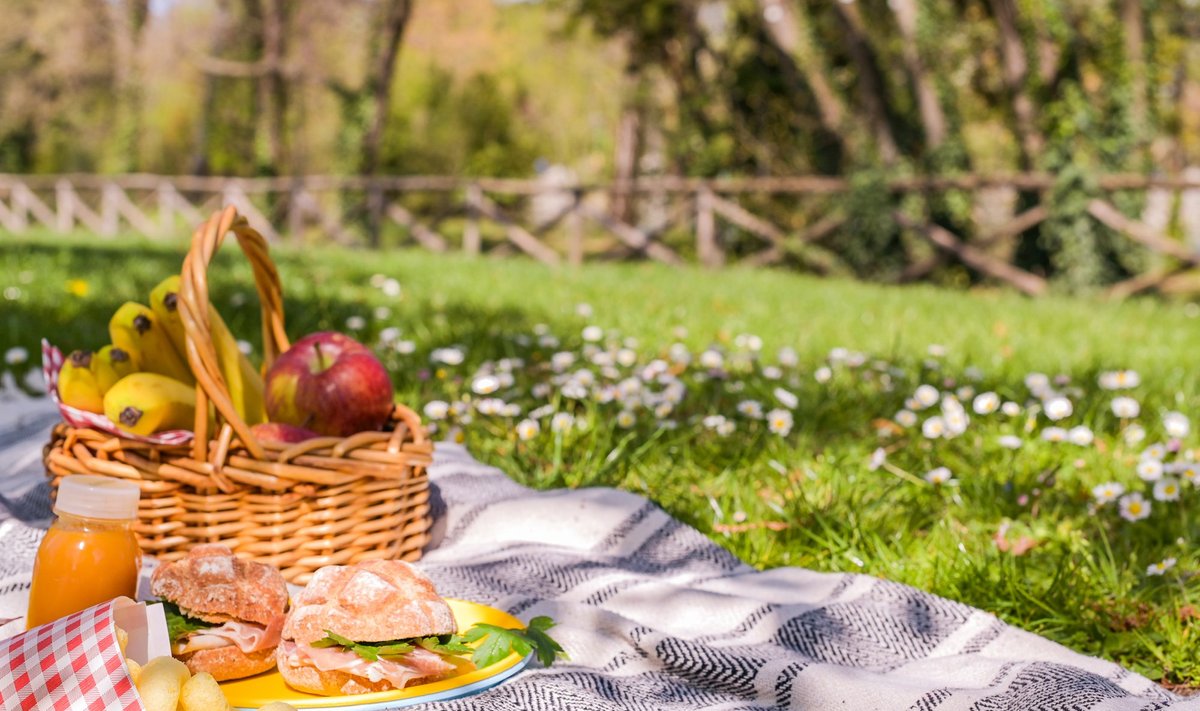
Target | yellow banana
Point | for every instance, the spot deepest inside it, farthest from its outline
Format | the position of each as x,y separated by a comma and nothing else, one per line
110,364
244,381
163,300
145,403
77,383
136,330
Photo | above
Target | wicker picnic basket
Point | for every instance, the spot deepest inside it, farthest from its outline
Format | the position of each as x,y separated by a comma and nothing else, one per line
324,501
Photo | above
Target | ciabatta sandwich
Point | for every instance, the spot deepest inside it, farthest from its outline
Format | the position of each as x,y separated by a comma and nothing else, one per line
372,626
224,614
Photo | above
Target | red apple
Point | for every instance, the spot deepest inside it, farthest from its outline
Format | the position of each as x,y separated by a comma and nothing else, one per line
330,384
280,432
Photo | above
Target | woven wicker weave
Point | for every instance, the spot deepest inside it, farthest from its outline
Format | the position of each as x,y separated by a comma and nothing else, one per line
324,501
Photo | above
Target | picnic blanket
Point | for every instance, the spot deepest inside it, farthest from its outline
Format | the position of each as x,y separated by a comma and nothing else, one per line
656,616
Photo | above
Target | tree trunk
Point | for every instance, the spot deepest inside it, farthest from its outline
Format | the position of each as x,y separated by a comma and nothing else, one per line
1016,69
126,19
870,84
1135,55
787,26
199,164
379,79
273,87
933,119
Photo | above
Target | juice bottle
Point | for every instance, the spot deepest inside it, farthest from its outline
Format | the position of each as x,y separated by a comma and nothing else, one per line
90,554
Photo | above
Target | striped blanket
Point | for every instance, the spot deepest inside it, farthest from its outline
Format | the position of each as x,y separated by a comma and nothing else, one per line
656,616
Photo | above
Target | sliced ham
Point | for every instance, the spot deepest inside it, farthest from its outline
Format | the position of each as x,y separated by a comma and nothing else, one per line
417,664
247,636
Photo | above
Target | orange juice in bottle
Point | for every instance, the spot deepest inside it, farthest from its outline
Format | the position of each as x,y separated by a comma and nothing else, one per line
90,554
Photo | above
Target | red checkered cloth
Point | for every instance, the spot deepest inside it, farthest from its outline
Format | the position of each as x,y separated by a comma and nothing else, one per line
52,363
71,664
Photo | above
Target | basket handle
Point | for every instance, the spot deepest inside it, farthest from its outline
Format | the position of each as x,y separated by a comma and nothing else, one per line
193,312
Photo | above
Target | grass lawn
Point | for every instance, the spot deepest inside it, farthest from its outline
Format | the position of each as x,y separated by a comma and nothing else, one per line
1018,530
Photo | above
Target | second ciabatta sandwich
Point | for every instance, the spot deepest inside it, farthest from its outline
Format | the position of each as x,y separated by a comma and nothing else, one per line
224,614
372,626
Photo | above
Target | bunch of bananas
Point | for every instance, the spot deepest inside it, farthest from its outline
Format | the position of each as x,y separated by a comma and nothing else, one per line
142,381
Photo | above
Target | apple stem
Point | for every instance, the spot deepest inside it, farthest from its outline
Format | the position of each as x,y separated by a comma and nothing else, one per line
320,356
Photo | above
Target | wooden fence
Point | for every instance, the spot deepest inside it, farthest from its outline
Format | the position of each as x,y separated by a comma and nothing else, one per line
711,221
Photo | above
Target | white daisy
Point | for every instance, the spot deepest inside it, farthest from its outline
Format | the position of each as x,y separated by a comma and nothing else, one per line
679,354
1119,379
448,356
1009,441
905,418
1010,408
823,374
926,395
1134,507
391,288
780,421
1058,408
1107,492
1081,435
933,428
528,429
712,421
1150,470
626,419
1054,434
548,340
356,323
939,476
751,408
1155,451
965,393
561,422
1037,383
788,358
16,355
726,428
1160,567
786,398
391,334
626,357
1191,472
1166,489
583,310
1126,408
436,409
562,360
712,359
1134,434
878,458
986,403
662,409
381,313
956,422
1176,424
485,384
593,334
772,372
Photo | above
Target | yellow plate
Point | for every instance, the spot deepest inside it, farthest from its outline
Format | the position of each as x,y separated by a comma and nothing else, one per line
256,691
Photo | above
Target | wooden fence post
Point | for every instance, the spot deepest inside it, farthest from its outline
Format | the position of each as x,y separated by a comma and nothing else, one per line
472,240
110,220
166,208
575,230
63,204
707,249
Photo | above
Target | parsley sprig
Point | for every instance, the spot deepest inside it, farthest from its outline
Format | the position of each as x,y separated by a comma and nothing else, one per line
498,643
180,625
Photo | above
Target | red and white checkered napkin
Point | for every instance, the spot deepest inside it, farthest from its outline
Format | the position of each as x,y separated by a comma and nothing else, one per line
52,363
71,664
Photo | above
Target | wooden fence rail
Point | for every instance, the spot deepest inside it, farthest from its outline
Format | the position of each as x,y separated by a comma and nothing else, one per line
664,218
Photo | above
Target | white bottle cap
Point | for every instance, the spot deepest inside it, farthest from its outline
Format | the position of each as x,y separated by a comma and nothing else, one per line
97,497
